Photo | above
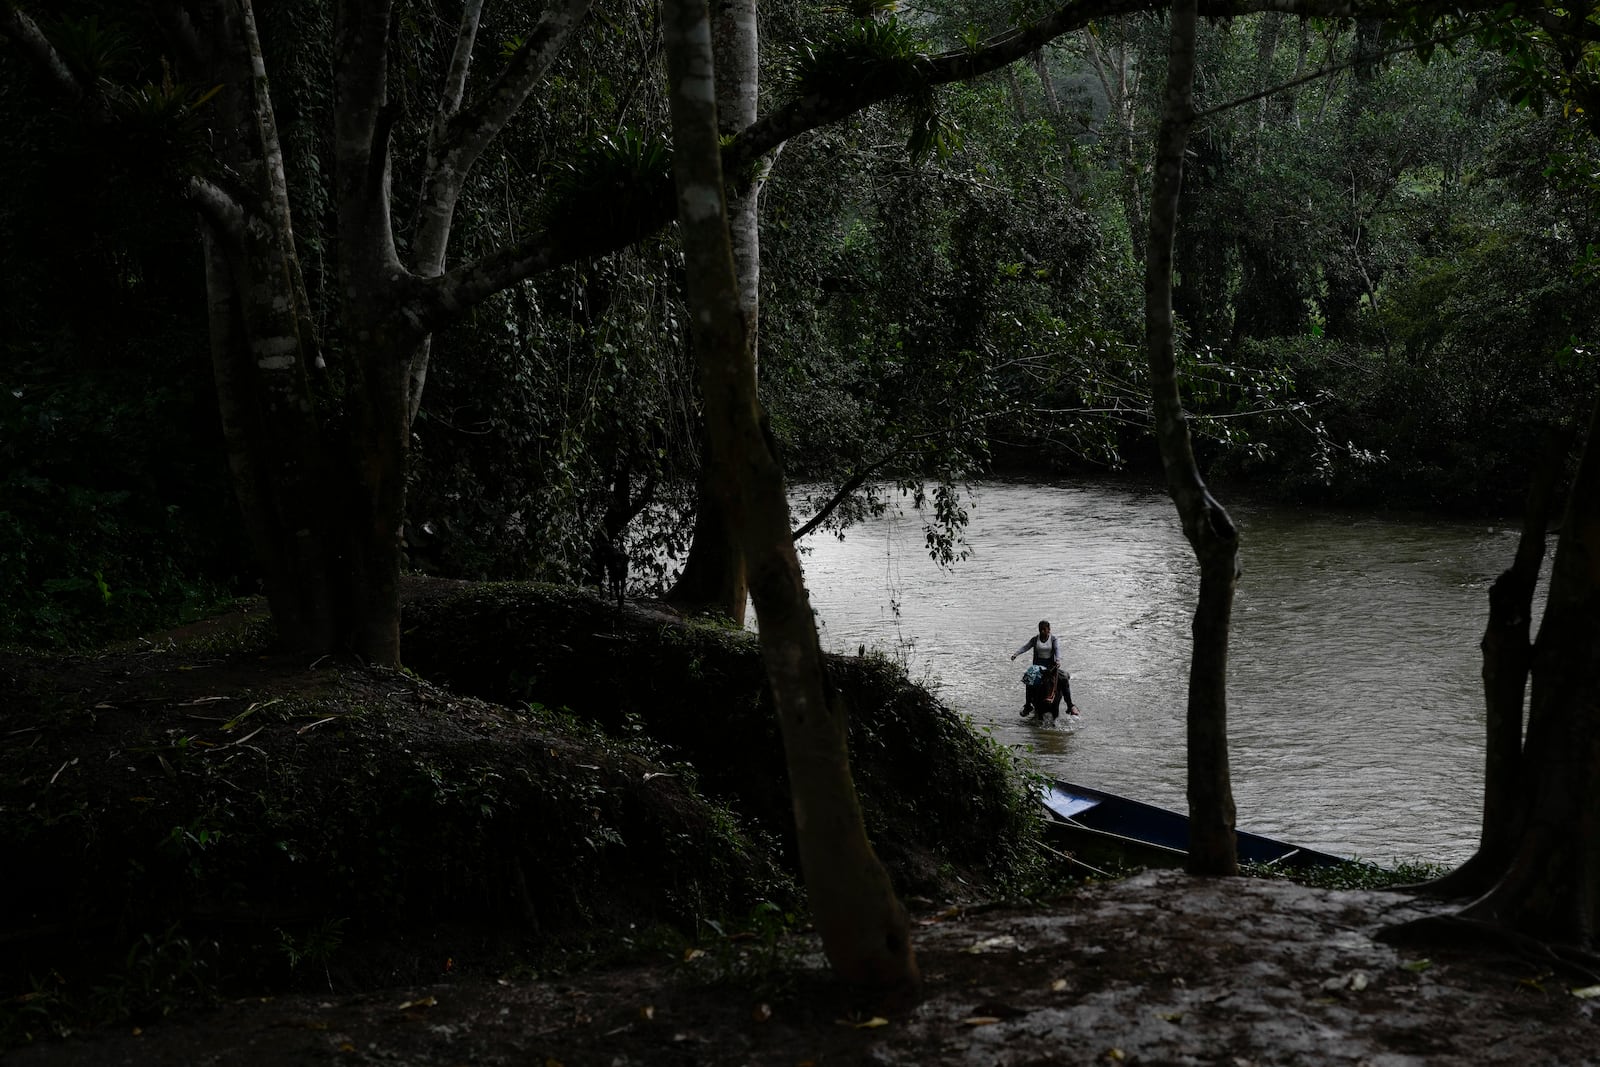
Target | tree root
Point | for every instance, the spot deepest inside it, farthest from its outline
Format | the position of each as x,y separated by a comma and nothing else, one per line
1479,938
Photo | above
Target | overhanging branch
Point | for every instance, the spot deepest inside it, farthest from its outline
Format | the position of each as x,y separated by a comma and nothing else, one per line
25,33
442,299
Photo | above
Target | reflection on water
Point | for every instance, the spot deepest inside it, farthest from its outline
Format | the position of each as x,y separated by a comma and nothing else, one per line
1355,708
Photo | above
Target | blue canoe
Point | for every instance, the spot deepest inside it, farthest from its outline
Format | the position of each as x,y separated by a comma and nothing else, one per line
1096,825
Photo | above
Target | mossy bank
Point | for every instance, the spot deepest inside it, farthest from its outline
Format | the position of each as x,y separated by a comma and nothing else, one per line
196,816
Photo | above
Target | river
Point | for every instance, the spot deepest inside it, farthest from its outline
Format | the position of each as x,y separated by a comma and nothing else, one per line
1355,713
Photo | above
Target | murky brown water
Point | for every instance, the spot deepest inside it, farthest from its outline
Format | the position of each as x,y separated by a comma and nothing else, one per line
1355,709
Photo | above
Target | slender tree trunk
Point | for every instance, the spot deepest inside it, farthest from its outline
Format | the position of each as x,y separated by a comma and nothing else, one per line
1041,67
714,578
1111,68
864,929
262,349
1019,106
1213,846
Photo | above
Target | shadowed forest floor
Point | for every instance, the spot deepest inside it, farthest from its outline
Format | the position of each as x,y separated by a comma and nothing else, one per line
1160,968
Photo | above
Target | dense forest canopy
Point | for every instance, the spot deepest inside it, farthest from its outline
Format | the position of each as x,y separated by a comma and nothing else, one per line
950,281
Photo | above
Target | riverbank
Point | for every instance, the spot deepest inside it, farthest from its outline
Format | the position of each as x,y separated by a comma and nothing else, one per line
228,857
192,817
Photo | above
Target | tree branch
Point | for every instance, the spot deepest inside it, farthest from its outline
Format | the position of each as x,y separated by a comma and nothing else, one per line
25,33
859,478
455,81
472,130
218,207
1334,68
440,300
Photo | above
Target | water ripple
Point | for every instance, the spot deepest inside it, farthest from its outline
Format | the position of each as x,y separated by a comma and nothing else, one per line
1355,712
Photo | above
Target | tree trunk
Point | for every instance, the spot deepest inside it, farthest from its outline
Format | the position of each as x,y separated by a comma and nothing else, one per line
1213,846
1111,67
1551,889
714,577
262,352
864,929
1507,661
1041,67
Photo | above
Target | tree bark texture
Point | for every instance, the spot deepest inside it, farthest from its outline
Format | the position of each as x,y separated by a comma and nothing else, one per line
1213,845
863,926
1551,889
1507,663
261,349
714,578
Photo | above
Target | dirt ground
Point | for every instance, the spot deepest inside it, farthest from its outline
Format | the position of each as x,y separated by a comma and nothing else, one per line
1161,968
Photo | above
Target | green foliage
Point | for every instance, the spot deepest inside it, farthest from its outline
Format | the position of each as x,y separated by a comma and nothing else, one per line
1356,874
97,536
870,56
609,183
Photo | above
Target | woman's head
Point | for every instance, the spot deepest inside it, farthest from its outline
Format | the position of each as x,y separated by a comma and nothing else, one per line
1044,628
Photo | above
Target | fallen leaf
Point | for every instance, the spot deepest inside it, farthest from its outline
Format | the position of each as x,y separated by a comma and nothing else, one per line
1115,1054
692,954
1532,983
1355,980
1058,986
980,1020
871,1024
420,1002
949,913
761,1013
551,1061
992,944
1586,992
346,1047
647,1012
1418,966
1170,1016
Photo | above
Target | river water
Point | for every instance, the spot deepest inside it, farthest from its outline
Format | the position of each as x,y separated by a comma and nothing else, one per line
1355,711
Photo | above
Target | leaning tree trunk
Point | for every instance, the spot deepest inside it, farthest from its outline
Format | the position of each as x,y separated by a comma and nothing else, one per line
863,926
1551,888
1213,846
